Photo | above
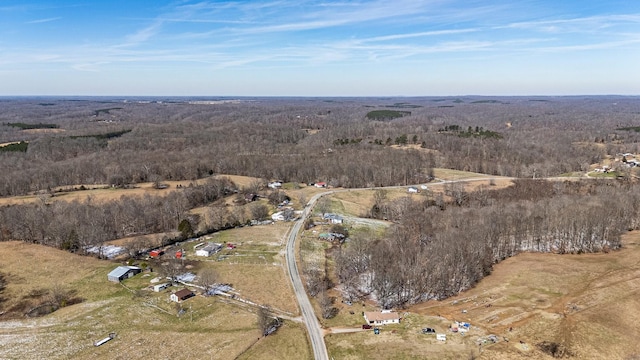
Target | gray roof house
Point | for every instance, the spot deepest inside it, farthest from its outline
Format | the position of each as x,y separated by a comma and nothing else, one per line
123,272
333,218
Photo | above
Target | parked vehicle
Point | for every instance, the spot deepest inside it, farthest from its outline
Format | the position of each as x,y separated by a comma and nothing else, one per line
428,331
366,326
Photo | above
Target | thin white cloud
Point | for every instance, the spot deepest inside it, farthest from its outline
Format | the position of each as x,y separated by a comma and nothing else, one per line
589,23
419,34
40,21
143,34
591,46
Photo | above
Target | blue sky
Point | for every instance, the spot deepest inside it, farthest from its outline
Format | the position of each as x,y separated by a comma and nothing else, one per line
319,48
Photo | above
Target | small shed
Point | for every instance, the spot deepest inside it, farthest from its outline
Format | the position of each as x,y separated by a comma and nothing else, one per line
160,287
181,295
123,272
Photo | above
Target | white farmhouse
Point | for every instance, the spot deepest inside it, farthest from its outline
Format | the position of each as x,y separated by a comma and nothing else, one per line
383,317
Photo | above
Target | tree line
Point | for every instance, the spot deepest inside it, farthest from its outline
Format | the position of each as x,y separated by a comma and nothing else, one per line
77,225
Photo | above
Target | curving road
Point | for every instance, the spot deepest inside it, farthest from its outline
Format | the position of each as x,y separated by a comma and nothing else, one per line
308,315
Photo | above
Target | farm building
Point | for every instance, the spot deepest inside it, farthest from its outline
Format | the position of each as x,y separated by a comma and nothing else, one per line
123,272
181,295
209,249
333,218
381,317
321,185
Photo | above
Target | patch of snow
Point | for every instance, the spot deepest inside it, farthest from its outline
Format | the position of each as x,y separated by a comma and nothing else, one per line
186,277
108,251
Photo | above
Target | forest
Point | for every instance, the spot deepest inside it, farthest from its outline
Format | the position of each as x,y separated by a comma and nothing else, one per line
439,245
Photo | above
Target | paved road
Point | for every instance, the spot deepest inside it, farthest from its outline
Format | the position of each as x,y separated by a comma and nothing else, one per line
313,326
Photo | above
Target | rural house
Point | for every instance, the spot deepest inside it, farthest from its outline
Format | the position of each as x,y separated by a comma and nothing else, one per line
333,218
181,295
412,189
209,249
123,272
321,185
383,317
332,237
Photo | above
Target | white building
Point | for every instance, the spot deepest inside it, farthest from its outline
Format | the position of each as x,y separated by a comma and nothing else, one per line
209,249
275,185
383,317
160,287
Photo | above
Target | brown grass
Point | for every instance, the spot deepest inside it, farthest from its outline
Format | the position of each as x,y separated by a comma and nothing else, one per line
289,342
450,174
43,131
211,328
29,267
586,302
240,181
105,193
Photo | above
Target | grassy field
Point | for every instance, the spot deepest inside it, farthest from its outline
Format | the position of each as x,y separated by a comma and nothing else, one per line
145,322
105,193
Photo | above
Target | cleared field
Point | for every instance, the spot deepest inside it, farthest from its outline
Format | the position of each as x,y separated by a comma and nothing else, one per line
449,174
587,303
106,193
145,322
30,267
